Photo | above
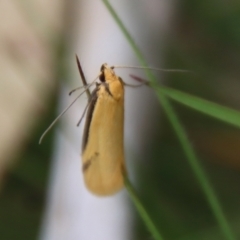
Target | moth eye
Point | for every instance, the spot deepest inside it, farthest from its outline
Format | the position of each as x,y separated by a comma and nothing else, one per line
102,77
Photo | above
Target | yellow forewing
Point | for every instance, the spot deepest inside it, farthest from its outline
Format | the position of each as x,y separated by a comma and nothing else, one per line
103,150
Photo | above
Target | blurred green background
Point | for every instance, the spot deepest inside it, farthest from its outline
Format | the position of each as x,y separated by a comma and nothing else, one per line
205,38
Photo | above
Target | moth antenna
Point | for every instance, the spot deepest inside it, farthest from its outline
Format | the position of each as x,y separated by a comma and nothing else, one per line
74,90
86,86
152,68
61,114
133,85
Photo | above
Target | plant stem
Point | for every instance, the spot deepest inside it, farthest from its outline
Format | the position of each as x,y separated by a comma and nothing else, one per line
142,211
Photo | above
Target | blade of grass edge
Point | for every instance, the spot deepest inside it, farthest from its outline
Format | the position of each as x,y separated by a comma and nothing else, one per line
144,214
211,197
212,109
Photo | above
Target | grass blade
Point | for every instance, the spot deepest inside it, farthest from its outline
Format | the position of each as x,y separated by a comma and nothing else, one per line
144,214
218,111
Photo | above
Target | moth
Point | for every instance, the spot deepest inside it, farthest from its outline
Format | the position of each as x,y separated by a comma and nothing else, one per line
103,160
103,145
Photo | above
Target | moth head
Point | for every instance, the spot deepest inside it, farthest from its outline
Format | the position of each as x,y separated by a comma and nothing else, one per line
106,71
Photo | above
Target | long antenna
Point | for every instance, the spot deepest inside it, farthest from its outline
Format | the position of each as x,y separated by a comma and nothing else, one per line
56,119
152,68
86,86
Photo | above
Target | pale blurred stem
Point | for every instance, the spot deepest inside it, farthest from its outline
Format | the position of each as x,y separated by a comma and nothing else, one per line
181,134
142,211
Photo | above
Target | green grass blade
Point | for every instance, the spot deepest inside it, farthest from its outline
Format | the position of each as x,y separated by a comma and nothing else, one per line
220,112
144,214
193,161
197,169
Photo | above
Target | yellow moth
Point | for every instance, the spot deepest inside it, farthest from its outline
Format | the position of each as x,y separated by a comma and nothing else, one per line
103,162
102,147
